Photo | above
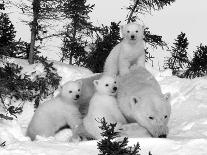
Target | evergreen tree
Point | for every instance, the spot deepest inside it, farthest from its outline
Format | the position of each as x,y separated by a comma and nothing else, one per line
2,7
14,85
179,59
109,146
145,6
7,35
104,44
42,13
8,45
78,30
198,66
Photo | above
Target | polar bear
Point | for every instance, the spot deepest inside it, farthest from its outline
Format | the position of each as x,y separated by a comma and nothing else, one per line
141,101
129,52
103,104
57,112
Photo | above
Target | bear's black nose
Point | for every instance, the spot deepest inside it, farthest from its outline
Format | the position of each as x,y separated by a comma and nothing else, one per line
77,96
162,136
115,88
132,36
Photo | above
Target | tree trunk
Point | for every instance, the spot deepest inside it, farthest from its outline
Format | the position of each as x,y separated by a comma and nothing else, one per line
32,45
73,40
34,31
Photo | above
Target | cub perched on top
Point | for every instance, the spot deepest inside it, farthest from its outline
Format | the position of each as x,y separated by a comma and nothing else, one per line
129,52
57,112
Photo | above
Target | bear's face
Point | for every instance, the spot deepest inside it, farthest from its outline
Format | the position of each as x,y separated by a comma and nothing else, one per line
71,90
132,32
106,85
152,112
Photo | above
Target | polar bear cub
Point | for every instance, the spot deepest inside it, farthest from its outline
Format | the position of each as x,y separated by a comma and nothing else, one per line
57,112
103,104
129,52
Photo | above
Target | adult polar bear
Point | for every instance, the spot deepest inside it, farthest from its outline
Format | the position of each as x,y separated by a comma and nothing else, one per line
141,101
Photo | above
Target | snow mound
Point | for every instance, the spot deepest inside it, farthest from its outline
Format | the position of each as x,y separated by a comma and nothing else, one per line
187,125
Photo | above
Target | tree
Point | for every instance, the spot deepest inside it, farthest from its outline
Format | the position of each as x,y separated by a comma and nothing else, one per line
179,57
41,11
8,45
100,50
145,6
109,146
198,66
17,86
2,7
78,30
7,35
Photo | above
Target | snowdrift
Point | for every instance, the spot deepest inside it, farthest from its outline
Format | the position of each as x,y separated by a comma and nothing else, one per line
187,126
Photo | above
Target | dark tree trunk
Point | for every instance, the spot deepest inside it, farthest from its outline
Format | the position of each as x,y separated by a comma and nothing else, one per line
34,29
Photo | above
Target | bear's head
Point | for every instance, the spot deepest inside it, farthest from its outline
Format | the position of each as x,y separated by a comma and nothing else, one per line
152,112
71,90
106,85
132,32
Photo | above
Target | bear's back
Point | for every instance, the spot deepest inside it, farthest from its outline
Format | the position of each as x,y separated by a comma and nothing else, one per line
138,82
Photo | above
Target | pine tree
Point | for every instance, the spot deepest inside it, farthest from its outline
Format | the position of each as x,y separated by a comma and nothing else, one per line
2,7
8,45
7,35
104,44
15,85
198,66
43,14
179,59
78,30
145,7
109,146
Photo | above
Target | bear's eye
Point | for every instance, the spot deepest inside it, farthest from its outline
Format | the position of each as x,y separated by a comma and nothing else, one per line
107,85
70,91
78,89
165,116
136,31
115,82
128,31
151,117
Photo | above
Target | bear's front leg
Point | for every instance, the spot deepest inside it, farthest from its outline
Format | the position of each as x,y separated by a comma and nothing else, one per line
74,122
134,130
123,67
141,61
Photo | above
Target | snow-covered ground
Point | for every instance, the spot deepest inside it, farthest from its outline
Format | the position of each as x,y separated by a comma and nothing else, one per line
188,122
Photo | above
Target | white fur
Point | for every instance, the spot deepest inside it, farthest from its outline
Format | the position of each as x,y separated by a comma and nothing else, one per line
141,101
129,52
57,112
103,104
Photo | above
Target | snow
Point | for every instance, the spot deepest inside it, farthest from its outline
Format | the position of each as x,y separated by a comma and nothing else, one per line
187,125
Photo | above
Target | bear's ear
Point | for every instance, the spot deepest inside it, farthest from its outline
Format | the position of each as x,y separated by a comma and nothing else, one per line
135,101
167,96
80,83
95,82
60,87
143,27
